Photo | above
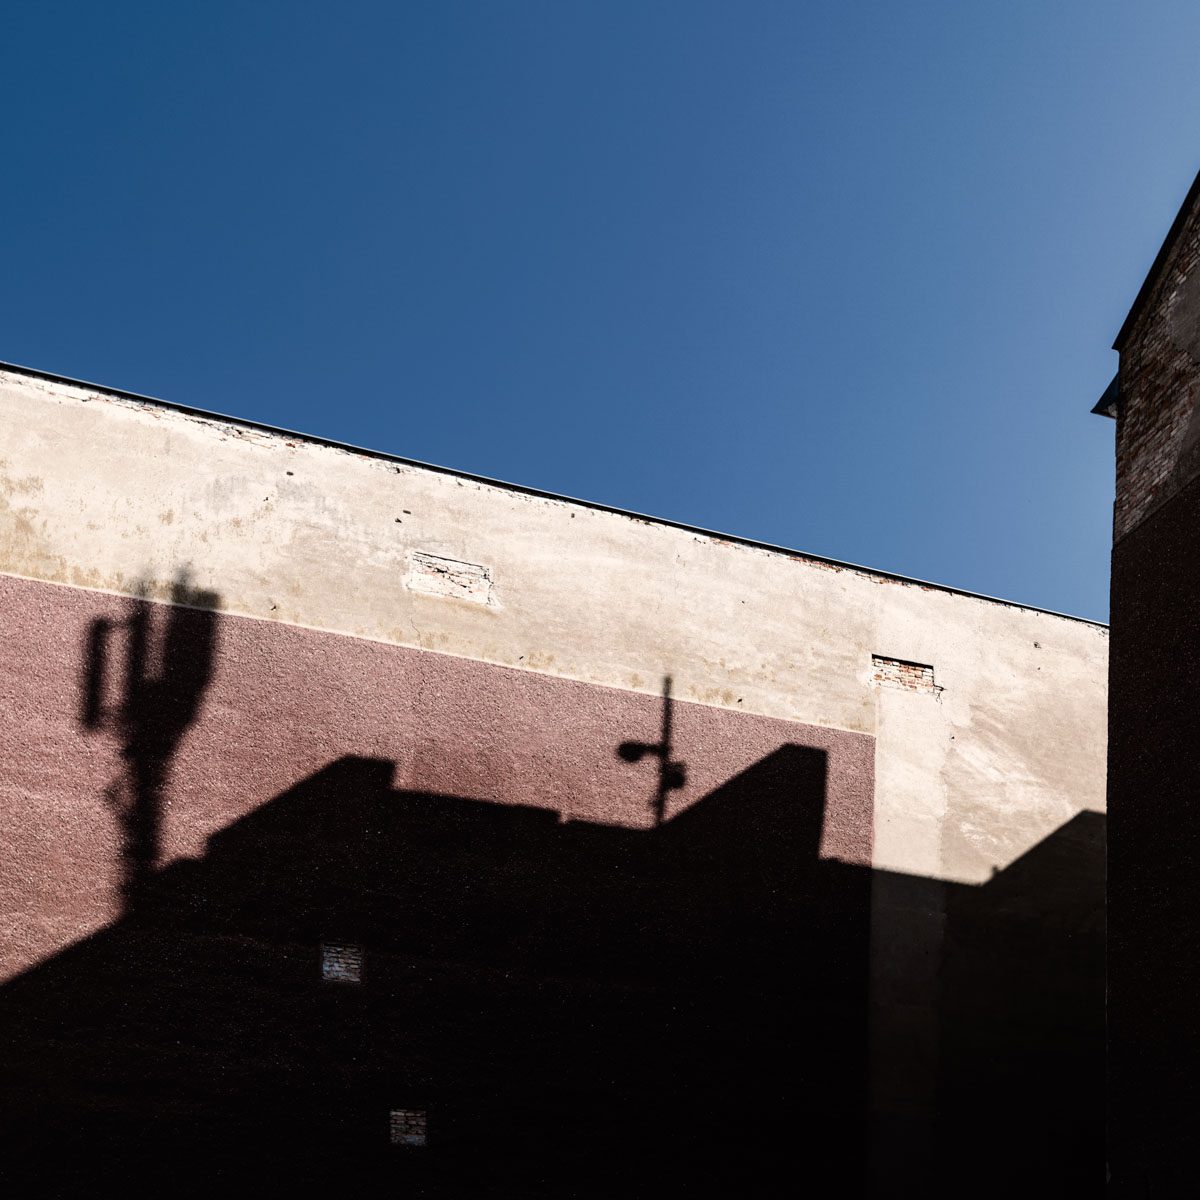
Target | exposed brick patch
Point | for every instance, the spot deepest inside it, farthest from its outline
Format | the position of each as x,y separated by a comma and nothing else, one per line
341,963
408,1127
898,673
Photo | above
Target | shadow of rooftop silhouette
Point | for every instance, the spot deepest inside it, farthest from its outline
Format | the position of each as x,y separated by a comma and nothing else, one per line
580,1009
546,989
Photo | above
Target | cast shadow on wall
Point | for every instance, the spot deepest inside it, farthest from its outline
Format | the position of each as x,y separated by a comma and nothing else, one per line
167,663
578,1009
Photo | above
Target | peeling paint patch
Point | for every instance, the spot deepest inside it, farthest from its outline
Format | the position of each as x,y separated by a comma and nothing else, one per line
435,576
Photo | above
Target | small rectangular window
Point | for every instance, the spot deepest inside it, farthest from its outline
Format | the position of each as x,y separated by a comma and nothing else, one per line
408,1127
341,963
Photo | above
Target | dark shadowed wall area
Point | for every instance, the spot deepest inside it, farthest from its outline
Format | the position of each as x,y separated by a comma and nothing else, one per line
1154,731
668,904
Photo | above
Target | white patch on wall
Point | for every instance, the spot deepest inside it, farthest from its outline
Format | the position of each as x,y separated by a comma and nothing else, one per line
408,1127
341,963
436,576
899,673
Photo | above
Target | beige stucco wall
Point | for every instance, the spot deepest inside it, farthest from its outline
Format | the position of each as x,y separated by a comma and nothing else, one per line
107,492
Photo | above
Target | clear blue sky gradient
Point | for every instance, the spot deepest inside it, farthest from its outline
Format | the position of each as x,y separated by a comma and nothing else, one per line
838,276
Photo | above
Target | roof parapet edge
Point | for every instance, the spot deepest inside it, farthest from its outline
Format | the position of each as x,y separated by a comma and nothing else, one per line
595,505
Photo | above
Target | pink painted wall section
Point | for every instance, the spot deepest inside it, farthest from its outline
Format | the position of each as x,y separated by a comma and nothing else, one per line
278,703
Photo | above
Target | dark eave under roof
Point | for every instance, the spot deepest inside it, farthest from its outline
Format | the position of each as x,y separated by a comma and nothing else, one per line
1106,406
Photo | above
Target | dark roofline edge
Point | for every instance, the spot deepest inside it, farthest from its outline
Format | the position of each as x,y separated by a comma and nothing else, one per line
595,505
1156,266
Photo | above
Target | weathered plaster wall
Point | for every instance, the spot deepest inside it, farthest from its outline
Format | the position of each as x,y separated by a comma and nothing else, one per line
114,494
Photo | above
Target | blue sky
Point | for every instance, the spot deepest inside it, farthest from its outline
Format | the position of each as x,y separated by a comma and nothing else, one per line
838,276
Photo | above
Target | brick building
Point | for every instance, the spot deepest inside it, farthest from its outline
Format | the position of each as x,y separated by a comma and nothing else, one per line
375,824
1154,726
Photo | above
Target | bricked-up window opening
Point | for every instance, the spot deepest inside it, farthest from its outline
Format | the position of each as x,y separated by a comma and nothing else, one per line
408,1127
341,963
907,676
